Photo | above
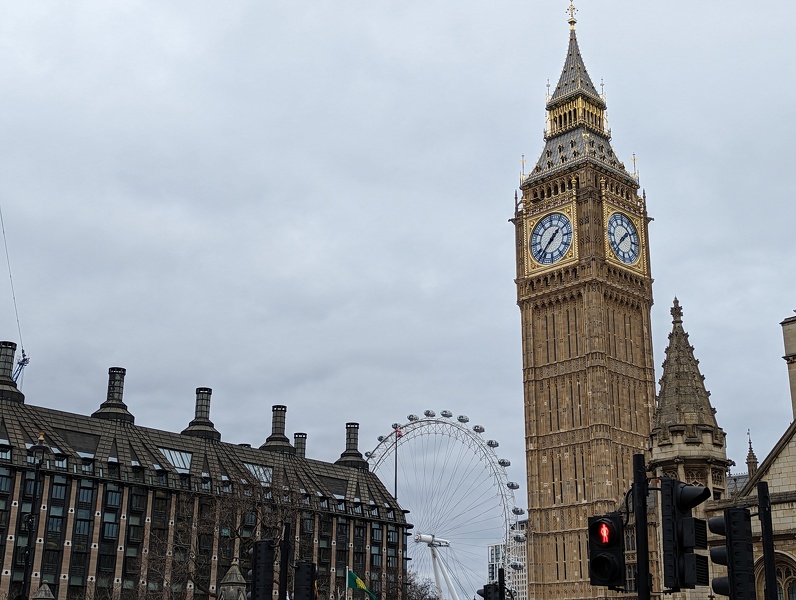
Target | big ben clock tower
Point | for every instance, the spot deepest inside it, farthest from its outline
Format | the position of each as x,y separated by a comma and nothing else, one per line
585,292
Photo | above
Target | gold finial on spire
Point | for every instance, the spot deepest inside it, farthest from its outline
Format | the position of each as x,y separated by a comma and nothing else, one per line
572,10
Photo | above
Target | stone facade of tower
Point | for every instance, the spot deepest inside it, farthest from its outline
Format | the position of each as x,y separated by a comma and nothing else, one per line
686,442
585,292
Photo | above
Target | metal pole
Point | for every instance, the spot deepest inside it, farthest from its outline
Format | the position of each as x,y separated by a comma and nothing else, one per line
767,530
640,490
285,559
395,488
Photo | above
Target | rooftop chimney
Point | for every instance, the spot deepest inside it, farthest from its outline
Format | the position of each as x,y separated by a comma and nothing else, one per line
202,426
277,441
300,442
113,409
352,456
789,333
8,387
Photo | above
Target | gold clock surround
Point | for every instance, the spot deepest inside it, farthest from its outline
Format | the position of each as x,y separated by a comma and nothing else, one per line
532,267
640,266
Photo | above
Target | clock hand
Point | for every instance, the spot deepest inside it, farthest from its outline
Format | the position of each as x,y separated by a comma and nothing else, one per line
552,239
624,237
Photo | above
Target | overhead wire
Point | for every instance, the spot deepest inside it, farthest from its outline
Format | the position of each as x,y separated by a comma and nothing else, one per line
24,360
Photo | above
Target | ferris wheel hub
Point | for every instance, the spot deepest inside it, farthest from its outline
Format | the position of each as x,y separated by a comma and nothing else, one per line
431,540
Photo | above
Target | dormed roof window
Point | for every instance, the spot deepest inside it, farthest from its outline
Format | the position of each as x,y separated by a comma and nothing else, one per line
261,472
181,461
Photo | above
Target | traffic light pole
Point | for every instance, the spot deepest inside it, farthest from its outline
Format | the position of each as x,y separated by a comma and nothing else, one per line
285,558
640,490
767,529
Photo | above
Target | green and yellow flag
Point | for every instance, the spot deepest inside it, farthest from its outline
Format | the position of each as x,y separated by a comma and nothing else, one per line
355,583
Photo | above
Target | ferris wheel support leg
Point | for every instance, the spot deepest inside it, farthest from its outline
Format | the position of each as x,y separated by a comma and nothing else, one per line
439,567
451,588
437,578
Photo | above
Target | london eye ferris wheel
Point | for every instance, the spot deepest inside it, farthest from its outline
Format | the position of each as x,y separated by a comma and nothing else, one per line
460,501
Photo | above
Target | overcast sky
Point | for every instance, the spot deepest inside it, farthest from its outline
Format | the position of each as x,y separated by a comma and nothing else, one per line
307,202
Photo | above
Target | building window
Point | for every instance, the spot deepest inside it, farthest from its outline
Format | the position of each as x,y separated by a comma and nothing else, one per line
113,497
61,463
5,453
5,481
88,467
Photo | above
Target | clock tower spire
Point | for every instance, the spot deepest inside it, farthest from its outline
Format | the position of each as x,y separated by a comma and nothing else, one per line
585,293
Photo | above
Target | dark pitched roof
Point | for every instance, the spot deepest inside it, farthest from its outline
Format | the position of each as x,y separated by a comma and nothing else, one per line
574,78
575,147
152,451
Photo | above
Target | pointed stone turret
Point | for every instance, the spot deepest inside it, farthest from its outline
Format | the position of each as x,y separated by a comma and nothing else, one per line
233,585
113,409
683,399
687,443
751,458
574,78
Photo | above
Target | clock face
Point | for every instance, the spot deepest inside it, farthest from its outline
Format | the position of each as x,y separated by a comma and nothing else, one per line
623,237
551,238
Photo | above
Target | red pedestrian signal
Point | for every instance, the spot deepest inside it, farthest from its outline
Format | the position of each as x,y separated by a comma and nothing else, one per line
607,551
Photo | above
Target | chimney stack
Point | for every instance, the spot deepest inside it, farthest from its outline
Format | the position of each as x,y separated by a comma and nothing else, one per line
202,426
789,335
8,387
277,441
300,442
352,456
113,409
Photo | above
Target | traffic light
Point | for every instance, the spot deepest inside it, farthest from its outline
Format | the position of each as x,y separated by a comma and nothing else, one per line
491,591
682,533
261,575
304,583
737,555
607,551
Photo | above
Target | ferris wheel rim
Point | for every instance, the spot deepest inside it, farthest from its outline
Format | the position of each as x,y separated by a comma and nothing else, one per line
430,424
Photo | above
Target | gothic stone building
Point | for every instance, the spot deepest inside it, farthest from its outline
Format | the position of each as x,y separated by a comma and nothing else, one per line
688,444
584,290
127,512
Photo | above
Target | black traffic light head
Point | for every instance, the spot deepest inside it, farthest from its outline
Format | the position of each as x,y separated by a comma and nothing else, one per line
261,575
681,534
304,583
737,555
607,550
491,591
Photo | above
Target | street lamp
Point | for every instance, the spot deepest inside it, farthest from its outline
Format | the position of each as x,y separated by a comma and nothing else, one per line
38,451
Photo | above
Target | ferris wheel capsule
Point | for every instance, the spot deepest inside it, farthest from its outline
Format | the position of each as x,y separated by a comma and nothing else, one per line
504,462
380,438
413,418
430,413
396,425
517,565
518,511
447,414
519,537
478,428
492,443
463,419
513,485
